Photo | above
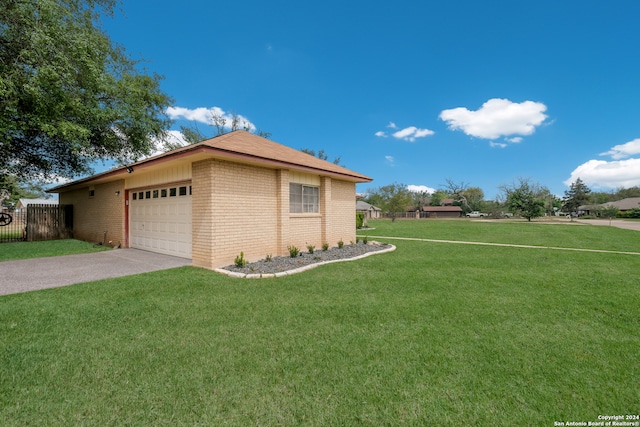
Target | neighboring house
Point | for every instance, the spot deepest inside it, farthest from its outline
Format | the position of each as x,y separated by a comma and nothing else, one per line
370,211
442,211
209,201
622,205
23,203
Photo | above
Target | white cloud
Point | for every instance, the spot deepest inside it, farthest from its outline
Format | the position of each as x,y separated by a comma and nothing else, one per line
205,115
420,189
497,144
603,174
515,139
408,134
496,118
624,150
411,133
390,160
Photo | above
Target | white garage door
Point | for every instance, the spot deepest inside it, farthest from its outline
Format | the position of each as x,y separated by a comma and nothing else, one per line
160,220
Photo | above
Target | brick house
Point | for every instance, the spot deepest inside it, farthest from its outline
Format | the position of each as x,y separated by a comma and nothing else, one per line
211,200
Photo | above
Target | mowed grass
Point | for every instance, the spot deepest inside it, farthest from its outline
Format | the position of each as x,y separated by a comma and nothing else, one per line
559,233
25,250
431,334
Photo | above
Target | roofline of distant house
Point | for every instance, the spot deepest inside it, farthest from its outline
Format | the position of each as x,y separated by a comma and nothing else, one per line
201,148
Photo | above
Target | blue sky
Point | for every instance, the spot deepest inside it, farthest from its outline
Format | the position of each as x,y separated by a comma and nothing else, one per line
415,92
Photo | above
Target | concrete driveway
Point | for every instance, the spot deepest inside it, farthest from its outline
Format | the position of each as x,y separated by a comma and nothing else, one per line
42,273
620,223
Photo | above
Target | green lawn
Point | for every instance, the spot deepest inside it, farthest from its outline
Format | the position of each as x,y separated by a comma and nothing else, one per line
24,250
431,334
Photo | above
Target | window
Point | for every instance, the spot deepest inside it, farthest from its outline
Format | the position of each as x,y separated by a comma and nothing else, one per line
304,199
147,195
163,192
135,196
172,192
155,194
140,195
183,191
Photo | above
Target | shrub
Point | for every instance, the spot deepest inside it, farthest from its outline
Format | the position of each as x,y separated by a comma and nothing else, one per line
240,260
365,239
631,213
311,248
325,246
359,219
268,258
293,251
340,244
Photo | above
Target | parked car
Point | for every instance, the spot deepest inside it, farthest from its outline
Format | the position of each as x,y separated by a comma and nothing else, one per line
476,214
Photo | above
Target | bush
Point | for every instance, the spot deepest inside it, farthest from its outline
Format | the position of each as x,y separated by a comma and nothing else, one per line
359,219
325,246
340,244
631,213
293,251
365,239
311,248
240,260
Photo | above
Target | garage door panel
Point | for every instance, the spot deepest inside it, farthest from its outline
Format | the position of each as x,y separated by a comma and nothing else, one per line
161,224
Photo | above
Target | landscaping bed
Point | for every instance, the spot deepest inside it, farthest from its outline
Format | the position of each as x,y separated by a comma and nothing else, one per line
277,265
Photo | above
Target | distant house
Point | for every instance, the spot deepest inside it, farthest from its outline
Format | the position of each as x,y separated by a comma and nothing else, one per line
622,205
442,211
23,203
370,211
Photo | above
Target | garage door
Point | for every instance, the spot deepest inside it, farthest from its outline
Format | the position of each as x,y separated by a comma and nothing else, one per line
160,220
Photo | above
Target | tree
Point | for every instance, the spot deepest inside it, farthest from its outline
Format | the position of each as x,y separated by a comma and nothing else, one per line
623,193
457,191
576,196
69,95
474,197
525,198
392,199
13,189
609,211
437,197
420,198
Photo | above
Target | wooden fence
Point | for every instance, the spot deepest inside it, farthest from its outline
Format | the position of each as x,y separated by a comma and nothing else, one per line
39,222
49,222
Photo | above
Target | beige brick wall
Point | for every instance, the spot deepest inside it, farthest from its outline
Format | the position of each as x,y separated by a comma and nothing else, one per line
305,230
343,213
242,208
92,216
236,210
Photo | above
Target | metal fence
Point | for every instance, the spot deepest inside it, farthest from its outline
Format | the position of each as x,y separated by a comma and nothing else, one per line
38,222
13,226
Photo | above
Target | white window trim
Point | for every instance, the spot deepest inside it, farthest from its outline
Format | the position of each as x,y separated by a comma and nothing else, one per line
303,206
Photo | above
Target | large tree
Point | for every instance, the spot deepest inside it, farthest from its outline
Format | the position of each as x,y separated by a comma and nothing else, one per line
525,198
68,95
577,195
392,199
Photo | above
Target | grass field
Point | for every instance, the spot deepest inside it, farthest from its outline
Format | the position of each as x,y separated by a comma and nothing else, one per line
25,250
431,334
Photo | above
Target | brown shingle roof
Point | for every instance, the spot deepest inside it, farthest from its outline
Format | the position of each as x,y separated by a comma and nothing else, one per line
248,144
243,147
442,209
